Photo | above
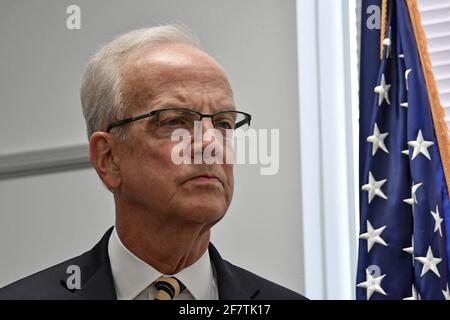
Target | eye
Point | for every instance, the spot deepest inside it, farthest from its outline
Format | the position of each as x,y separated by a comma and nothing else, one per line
224,124
224,121
172,122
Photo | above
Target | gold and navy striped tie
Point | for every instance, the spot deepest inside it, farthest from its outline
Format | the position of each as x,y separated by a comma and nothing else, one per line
168,288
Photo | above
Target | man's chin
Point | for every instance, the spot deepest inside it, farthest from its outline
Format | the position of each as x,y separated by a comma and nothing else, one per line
206,212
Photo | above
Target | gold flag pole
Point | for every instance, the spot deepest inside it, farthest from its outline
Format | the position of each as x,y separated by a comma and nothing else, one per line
384,16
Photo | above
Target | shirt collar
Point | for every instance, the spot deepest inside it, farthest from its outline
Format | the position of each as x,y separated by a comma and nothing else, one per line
198,278
132,275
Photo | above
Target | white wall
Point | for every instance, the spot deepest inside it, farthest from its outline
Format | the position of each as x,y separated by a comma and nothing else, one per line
47,218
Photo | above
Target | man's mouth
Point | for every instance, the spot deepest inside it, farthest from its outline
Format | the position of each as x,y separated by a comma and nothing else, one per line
205,178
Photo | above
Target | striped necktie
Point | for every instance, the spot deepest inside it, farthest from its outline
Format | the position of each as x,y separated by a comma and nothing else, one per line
168,288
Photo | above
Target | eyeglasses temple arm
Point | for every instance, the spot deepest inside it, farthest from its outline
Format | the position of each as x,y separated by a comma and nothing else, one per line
242,122
128,120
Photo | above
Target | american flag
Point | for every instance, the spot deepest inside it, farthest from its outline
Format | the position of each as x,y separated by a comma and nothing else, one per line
404,199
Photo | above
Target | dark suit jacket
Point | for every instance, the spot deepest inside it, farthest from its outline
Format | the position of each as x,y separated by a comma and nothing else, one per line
233,283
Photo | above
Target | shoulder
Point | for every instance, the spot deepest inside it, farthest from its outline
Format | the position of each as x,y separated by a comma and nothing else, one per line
45,284
268,290
51,283
236,283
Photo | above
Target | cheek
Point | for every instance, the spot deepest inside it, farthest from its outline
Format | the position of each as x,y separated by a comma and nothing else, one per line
161,168
228,169
149,168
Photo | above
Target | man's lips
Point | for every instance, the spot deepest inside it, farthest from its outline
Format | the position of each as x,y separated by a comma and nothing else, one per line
205,178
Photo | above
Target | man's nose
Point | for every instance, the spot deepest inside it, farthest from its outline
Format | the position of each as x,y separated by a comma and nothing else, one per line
202,140
207,123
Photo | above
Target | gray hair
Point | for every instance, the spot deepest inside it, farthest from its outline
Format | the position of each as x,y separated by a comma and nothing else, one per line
101,88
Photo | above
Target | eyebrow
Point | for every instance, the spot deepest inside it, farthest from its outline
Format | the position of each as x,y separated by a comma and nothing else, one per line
191,107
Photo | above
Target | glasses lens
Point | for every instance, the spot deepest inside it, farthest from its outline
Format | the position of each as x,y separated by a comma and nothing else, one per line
173,119
233,124
230,120
179,120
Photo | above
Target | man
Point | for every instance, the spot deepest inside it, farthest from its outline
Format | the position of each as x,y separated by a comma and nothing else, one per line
137,91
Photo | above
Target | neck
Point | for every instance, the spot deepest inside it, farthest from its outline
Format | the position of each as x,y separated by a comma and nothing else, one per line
167,246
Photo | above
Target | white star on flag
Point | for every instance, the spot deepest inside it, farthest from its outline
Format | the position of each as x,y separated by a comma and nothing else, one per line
372,284
407,72
429,263
373,236
437,221
420,146
446,293
377,139
414,296
410,250
383,90
413,199
373,187
388,43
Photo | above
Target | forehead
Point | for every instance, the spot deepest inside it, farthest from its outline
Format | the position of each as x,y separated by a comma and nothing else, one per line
176,73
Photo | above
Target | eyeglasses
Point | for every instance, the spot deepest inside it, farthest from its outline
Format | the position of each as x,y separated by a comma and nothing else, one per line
170,119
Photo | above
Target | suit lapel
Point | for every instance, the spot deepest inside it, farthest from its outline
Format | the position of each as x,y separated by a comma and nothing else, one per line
96,276
230,285
99,287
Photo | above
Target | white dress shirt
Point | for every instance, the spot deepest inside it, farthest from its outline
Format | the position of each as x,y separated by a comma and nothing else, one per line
133,277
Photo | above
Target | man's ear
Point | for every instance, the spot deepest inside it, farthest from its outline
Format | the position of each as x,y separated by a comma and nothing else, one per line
103,154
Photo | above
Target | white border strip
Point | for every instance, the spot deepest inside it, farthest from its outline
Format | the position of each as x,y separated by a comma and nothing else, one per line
310,149
326,148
